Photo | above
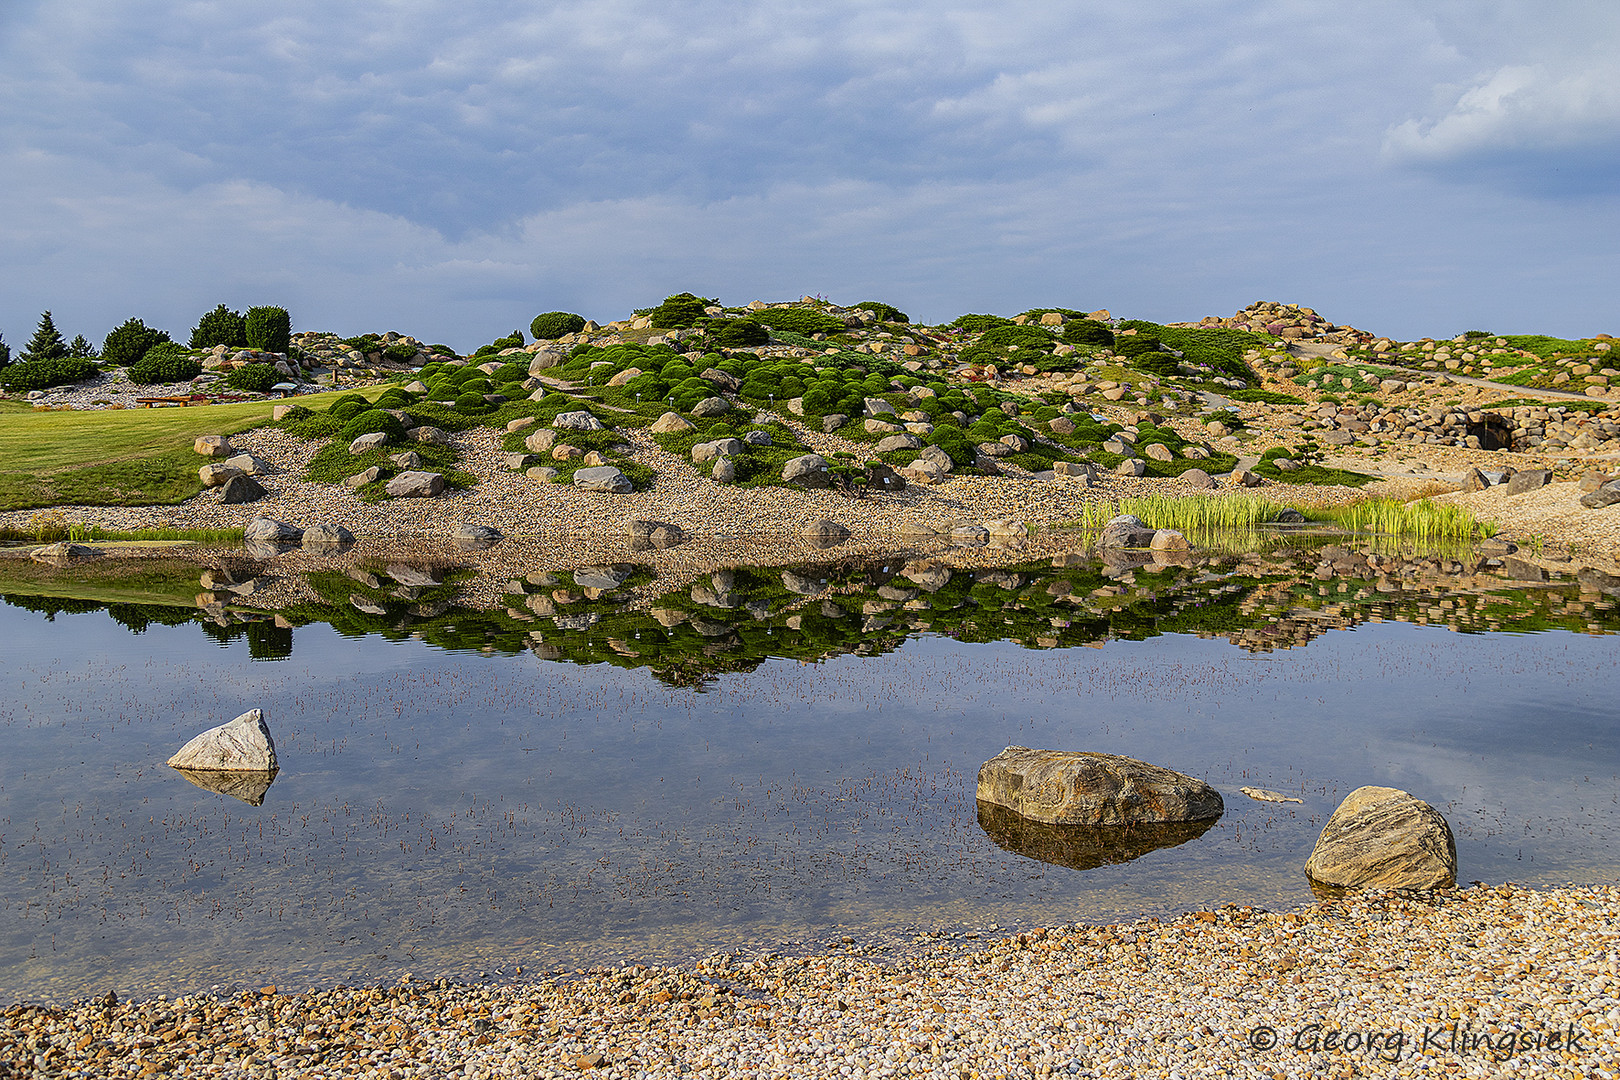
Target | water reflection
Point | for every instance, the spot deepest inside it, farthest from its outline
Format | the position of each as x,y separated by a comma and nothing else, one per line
249,787
1083,847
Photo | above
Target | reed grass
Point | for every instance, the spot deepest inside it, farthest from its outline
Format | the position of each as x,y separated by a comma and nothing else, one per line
1188,513
51,526
1420,520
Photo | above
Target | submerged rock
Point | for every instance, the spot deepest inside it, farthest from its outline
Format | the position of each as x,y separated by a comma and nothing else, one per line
1384,838
1080,788
243,745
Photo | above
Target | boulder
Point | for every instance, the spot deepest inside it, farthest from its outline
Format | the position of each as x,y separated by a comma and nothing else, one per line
938,457
1082,469
825,533
363,477
410,459
577,421
1125,531
1605,496
705,452
241,489
833,421
1384,838
899,442
757,438
213,446
428,434
1060,425
643,529
63,551
875,407
243,745
1169,540
517,462
1199,480
1242,478
807,470
327,536
268,530
1063,787
416,484
520,423
249,464
541,472
880,477
724,471
215,474
603,478
1528,480
1158,452
711,406
1131,467
544,360
372,441
671,424
540,442
1474,480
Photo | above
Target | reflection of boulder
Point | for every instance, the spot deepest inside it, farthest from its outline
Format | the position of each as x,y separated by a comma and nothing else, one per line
1083,847
421,576
1079,788
247,786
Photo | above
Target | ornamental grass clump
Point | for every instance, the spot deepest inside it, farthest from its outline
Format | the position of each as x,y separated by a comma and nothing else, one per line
1421,520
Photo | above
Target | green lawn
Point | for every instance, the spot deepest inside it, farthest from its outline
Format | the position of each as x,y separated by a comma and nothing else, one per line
115,457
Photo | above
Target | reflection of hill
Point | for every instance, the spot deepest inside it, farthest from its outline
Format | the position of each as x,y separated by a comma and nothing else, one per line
734,620
1083,847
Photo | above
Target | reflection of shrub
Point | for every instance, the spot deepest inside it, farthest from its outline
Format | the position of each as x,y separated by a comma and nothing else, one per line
165,362
269,329
736,333
805,321
256,378
554,324
39,374
885,312
374,420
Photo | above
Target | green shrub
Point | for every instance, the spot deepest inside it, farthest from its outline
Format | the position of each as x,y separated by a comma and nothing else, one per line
552,325
127,343
348,407
952,440
978,324
5,352
735,333
1087,332
370,421
472,402
1136,344
269,329
256,378
400,352
1034,314
1025,337
165,362
804,321
679,312
39,374
222,326
885,312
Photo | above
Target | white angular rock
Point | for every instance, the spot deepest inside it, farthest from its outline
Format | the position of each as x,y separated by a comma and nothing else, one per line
243,745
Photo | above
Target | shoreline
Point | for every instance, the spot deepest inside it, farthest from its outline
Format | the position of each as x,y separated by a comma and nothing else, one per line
1464,980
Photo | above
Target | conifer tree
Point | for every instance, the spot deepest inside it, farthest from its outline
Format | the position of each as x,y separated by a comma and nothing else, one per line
81,349
5,351
47,343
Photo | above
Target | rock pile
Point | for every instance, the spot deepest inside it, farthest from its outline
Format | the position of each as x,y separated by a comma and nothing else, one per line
1289,321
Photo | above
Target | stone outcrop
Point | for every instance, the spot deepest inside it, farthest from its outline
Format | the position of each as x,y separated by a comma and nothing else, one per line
1384,838
1080,788
243,745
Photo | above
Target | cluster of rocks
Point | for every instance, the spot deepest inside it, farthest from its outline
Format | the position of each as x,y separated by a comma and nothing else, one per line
1288,321
1522,429
223,358
1494,357
326,349
234,474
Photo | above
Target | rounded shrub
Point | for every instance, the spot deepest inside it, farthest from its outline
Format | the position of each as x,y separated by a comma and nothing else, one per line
679,312
1087,332
395,397
799,320
471,402
885,312
1025,337
552,325
269,329
127,343
400,352
951,439
736,333
165,362
222,326
256,378
978,324
345,410
372,421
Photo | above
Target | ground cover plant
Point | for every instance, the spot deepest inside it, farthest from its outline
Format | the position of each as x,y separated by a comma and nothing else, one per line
1308,457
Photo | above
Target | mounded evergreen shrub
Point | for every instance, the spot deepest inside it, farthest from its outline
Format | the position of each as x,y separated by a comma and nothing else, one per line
1087,332
737,333
679,312
222,326
348,407
39,374
551,325
1136,344
400,352
255,378
978,324
127,343
805,321
165,362
269,329
1025,337
371,421
885,312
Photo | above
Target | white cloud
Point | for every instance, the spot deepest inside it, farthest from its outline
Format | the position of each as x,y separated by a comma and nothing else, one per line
1520,109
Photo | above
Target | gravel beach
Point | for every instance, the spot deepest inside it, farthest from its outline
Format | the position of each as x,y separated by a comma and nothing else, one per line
1484,981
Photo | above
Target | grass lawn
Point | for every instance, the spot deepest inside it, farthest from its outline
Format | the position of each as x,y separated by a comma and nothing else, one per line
115,457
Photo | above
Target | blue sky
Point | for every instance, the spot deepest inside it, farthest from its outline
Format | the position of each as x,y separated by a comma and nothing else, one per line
449,170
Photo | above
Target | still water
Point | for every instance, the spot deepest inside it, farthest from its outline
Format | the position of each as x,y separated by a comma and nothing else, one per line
459,810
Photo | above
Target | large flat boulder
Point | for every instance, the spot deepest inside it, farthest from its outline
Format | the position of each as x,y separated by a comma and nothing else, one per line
243,745
1070,787
263,529
1125,531
416,485
604,478
1384,838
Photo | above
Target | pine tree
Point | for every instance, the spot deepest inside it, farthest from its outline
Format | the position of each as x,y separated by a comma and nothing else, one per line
5,351
47,343
81,349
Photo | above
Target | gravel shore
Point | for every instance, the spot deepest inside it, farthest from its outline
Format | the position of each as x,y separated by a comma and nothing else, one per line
1485,981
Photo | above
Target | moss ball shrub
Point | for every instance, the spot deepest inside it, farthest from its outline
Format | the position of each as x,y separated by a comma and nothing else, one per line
954,442
372,421
39,374
884,312
470,401
269,329
978,324
348,407
551,325
395,398
806,321
1088,332
255,378
165,362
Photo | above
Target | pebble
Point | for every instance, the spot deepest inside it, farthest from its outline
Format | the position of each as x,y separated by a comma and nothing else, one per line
1378,983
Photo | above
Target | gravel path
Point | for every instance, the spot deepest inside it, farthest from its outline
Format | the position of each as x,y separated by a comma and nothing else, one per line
1489,981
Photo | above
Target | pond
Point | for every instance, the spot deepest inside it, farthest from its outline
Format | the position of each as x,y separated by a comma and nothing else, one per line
615,764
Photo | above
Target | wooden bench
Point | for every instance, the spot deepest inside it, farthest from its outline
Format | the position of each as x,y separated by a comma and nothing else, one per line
184,399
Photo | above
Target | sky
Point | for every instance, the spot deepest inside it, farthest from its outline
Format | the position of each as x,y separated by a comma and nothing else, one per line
449,170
